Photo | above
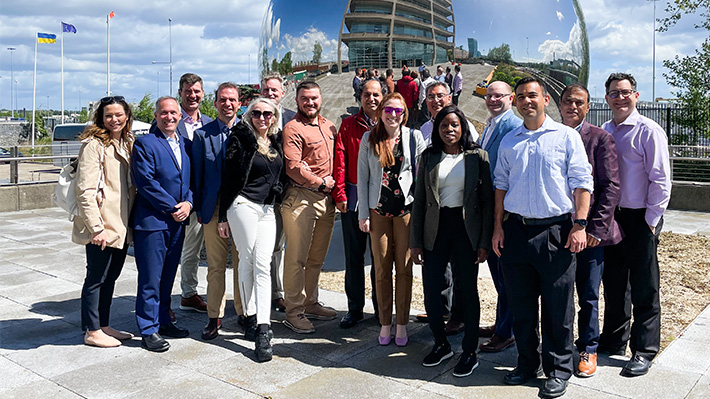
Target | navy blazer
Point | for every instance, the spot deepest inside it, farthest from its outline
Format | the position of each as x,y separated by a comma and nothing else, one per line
208,149
182,131
160,182
505,125
601,152
287,116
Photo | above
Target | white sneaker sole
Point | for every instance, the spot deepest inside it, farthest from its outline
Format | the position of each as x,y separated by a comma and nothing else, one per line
475,366
447,356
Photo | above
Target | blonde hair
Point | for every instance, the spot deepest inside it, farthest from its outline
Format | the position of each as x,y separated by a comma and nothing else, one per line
264,146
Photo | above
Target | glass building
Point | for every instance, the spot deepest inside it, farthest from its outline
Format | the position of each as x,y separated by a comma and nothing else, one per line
393,33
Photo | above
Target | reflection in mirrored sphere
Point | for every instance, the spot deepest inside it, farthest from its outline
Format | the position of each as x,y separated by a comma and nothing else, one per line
311,38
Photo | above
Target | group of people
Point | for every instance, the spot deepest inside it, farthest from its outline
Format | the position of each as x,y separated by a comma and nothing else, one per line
413,87
546,204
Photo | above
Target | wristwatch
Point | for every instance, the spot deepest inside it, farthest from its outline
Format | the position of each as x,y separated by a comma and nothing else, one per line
581,222
322,186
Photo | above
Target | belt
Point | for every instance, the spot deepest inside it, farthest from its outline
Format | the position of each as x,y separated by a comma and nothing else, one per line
540,222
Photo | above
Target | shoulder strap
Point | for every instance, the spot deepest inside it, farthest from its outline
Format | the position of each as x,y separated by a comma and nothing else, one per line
413,153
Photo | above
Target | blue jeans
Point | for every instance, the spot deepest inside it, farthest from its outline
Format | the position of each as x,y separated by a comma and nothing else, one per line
590,266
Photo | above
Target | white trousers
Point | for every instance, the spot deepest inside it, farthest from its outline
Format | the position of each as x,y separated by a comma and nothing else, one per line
253,227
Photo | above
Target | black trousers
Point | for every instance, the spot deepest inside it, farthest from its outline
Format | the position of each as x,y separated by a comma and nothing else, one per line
102,270
537,265
355,245
631,278
452,246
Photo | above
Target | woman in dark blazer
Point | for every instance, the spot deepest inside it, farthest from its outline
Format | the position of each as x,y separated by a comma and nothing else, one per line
453,199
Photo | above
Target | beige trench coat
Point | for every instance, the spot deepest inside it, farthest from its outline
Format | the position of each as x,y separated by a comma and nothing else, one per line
111,209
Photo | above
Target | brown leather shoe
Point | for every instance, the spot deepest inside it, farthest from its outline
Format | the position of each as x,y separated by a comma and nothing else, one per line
454,327
279,305
487,331
497,344
173,319
211,330
194,303
587,364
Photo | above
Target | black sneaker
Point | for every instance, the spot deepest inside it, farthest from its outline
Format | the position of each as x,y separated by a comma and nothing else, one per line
467,363
437,355
263,349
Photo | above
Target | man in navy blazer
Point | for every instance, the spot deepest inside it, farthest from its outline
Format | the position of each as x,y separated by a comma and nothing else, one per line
499,101
161,173
208,152
272,88
602,228
191,93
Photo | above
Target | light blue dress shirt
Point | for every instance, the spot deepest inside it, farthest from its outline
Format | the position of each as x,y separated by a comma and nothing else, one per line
175,146
540,169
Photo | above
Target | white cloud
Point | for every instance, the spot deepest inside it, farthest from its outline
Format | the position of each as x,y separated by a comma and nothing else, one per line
301,47
560,16
569,50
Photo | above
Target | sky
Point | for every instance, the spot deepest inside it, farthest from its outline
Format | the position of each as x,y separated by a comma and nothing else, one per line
219,40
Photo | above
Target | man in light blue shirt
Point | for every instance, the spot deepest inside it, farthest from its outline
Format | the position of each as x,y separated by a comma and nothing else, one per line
542,179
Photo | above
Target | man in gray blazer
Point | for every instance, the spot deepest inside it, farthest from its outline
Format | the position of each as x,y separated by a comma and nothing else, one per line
499,101
272,88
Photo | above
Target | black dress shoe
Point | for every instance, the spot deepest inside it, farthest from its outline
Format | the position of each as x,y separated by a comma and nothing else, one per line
520,377
350,319
553,388
638,365
173,331
154,343
211,330
279,305
250,328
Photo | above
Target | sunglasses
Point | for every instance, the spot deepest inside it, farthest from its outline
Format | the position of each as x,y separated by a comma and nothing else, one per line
397,111
256,114
107,100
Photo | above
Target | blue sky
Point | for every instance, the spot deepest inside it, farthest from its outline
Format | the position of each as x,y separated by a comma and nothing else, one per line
220,40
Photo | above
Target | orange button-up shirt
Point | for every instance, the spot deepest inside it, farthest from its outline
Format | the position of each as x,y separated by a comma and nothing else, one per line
309,144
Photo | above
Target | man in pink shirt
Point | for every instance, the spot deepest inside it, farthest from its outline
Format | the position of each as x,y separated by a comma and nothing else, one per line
645,180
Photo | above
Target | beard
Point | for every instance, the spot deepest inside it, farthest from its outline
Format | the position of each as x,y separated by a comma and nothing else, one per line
313,113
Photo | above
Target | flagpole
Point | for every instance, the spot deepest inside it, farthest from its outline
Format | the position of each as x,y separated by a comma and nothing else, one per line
34,91
108,56
62,74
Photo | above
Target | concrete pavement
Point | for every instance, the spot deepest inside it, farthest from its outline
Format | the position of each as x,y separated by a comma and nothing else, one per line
42,355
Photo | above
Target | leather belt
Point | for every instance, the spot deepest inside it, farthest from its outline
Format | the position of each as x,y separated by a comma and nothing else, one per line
540,222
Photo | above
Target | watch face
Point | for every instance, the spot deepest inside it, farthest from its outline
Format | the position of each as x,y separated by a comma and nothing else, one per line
581,222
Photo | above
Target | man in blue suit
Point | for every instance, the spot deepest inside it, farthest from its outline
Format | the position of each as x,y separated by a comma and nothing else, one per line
161,173
191,94
208,151
499,101
272,88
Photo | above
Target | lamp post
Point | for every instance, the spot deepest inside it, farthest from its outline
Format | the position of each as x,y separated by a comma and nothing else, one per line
12,79
170,60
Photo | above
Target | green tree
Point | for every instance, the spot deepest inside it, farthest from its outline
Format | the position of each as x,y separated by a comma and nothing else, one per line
317,53
507,73
501,54
689,74
83,115
207,106
286,65
143,111
274,65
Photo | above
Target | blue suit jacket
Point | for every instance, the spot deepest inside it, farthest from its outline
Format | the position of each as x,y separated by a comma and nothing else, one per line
208,148
287,116
160,182
505,125
182,131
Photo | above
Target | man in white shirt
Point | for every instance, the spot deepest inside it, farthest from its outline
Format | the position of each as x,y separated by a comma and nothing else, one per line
437,97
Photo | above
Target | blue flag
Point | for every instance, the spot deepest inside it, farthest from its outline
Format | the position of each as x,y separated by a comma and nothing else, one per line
68,28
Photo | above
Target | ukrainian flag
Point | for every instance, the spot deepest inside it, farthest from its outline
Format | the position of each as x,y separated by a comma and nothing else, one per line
46,38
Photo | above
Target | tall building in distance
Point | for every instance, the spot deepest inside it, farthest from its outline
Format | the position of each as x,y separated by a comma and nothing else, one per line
392,33
473,48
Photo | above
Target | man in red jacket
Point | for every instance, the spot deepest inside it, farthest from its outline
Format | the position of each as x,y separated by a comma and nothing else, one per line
347,145
409,89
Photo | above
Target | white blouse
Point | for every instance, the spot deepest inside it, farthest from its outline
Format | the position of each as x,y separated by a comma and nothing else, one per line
451,180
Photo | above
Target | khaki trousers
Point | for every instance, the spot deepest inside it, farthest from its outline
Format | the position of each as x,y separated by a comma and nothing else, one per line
389,240
217,249
308,219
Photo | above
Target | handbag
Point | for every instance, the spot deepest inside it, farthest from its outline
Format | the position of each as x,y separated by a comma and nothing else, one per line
65,190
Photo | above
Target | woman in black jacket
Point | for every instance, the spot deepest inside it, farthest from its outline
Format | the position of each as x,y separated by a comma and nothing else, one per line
252,183
452,221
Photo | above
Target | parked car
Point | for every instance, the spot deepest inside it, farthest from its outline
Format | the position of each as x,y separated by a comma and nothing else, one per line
5,153
64,141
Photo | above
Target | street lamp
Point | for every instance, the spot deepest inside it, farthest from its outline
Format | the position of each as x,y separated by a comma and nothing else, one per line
12,78
170,62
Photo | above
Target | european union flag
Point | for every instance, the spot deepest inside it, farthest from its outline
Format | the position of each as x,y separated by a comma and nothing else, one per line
68,28
46,38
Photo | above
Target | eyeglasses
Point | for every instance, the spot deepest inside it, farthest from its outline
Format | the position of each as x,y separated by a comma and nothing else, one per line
495,97
117,99
397,111
620,93
437,96
256,114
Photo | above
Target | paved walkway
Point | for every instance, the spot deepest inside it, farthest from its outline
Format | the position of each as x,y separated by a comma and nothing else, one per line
42,355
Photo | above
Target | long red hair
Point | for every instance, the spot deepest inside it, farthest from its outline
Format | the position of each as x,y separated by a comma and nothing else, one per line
378,135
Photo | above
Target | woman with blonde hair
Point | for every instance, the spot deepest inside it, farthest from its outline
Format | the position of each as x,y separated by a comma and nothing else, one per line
252,183
385,175
104,198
